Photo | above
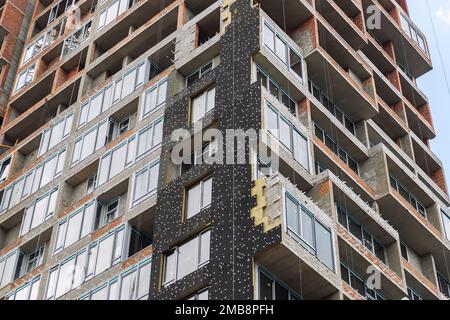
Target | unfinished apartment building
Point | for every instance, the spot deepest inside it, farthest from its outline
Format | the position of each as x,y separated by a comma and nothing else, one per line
93,205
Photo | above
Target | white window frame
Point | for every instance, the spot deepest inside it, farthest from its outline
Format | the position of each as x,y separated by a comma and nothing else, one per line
47,214
293,128
203,205
66,130
32,180
148,178
175,250
63,226
207,109
29,73
162,84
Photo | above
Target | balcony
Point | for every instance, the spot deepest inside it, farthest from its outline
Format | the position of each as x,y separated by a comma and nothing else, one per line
403,200
309,269
408,52
346,17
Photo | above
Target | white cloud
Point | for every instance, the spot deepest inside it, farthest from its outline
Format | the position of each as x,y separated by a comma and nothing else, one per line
443,14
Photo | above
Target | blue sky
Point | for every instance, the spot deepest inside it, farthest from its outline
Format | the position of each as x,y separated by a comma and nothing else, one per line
433,83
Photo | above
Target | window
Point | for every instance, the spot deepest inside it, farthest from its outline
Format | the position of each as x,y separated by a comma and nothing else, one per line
332,107
38,212
187,258
33,260
154,98
404,251
55,134
4,169
60,8
309,232
86,263
30,182
446,224
358,284
270,288
133,284
288,135
275,90
276,43
115,9
149,137
75,226
145,183
444,286
42,42
203,104
91,141
8,266
25,77
414,33
74,40
339,151
205,154
113,93
420,208
110,212
107,251
356,229
28,291
67,275
91,184
124,125
199,295
413,295
198,197
197,74
115,161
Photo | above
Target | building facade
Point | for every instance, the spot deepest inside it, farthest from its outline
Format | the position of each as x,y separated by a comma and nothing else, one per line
338,196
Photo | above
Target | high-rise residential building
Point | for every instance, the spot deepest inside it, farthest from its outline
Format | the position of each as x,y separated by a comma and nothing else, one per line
218,149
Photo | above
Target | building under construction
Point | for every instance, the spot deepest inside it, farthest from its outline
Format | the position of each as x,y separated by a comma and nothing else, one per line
93,205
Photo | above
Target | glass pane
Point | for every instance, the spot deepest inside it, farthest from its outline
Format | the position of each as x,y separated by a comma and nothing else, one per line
280,49
285,133
301,149
45,141
129,286
150,100
95,107
162,93
158,132
154,173
292,216
269,38
144,280
88,220
193,201
39,212
105,251
73,230
198,108
88,144
187,258
205,245
210,99
324,245
271,121
101,294
129,83
118,159
307,228
265,287
207,193
169,267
